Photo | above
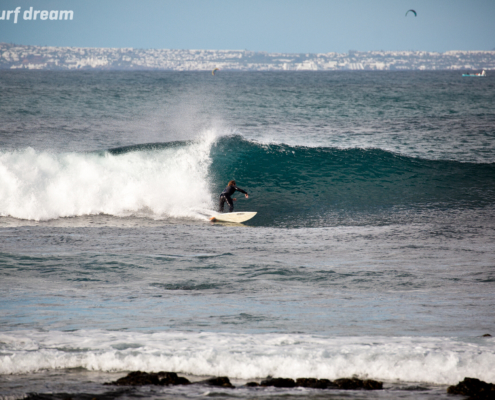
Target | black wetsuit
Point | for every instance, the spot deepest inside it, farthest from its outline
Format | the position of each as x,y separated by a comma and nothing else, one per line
226,197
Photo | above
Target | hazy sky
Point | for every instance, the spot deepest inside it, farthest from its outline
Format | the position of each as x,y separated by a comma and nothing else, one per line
294,26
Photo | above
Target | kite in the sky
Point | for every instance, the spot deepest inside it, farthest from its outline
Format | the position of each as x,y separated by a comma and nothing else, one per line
213,72
415,14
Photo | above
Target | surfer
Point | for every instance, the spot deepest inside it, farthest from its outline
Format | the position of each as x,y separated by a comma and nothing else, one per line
226,196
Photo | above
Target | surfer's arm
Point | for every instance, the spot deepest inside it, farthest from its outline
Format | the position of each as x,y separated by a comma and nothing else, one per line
242,191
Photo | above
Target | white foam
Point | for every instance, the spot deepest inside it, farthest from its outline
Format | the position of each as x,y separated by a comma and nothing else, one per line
411,359
170,182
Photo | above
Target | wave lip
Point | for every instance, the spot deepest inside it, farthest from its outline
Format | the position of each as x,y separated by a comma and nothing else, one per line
410,359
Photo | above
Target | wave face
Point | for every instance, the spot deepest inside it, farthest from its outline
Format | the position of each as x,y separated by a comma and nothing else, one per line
290,185
426,359
314,182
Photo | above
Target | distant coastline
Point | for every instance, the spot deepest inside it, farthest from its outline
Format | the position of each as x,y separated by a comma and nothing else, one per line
13,56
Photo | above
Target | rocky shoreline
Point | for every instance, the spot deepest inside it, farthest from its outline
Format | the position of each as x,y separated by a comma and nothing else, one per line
470,388
138,378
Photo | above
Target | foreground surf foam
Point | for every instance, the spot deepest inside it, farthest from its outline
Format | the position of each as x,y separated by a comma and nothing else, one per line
415,359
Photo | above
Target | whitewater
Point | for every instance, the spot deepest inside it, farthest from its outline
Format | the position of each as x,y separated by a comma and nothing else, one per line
43,185
371,255
248,357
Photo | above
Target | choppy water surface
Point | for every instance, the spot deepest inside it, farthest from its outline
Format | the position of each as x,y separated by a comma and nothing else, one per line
371,254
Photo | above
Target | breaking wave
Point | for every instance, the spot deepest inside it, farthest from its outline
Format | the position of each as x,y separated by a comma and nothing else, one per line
287,183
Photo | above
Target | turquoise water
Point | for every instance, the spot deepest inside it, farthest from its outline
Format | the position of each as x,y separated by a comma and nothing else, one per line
371,254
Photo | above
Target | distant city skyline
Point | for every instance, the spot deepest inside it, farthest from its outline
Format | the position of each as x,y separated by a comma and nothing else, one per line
60,58
286,26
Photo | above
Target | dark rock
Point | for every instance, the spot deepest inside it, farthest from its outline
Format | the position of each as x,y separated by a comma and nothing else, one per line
476,389
221,381
355,383
182,381
370,384
171,378
112,395
315,383
487,335
344,383
279,382
252,384
138,378
349,383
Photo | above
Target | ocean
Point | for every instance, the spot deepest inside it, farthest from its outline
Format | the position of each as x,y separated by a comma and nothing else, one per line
371,256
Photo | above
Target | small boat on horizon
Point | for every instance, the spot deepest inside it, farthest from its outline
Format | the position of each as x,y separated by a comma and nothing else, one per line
479,74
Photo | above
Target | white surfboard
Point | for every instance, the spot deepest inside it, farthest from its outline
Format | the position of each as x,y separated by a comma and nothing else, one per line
233,217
